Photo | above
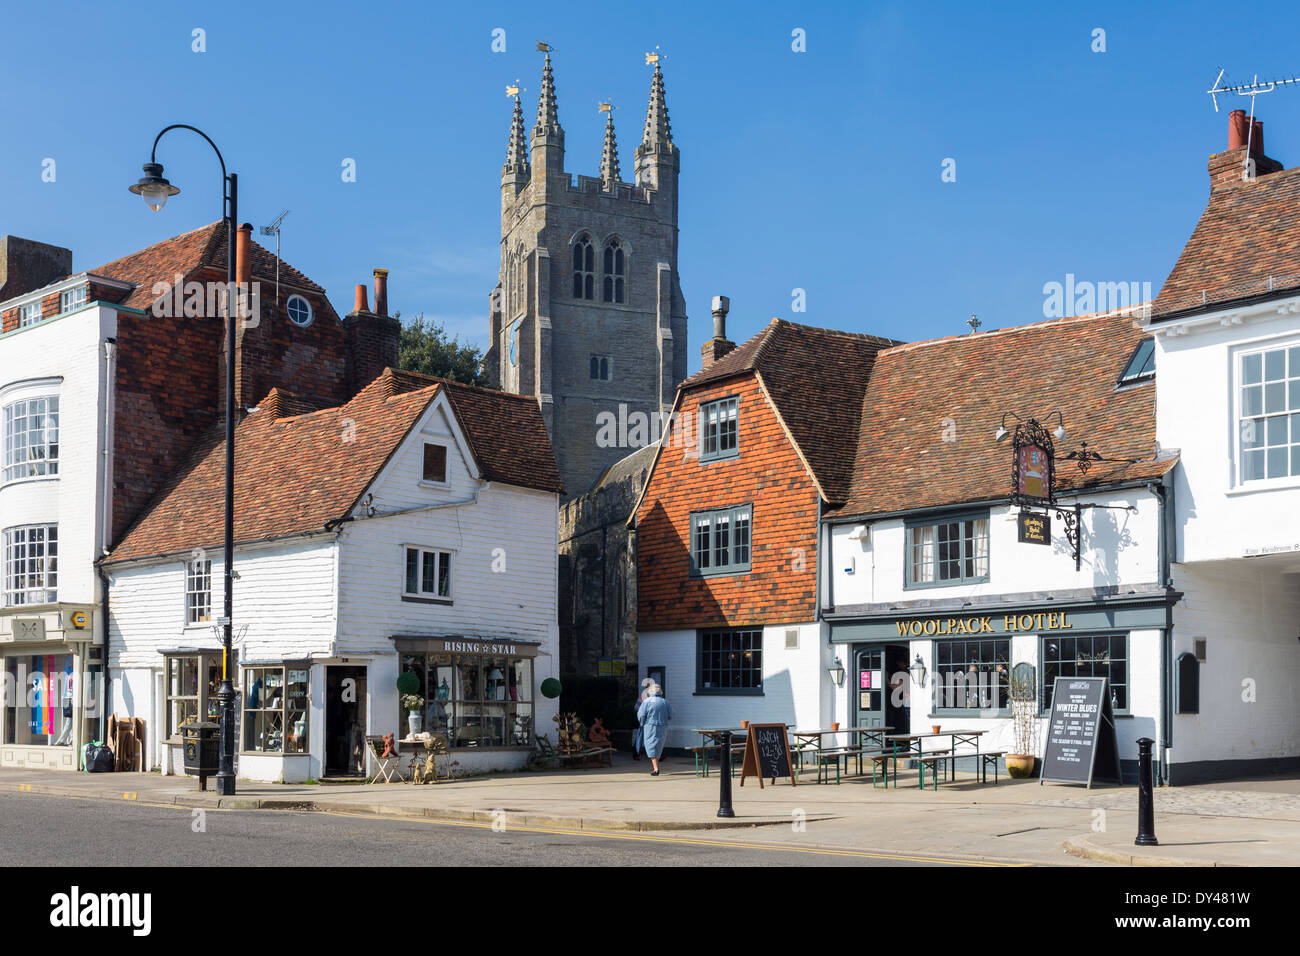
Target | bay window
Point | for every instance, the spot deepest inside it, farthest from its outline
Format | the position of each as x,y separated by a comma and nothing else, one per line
1268,417
31,563
31,438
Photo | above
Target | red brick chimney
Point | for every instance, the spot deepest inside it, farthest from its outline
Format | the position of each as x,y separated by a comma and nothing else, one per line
719,345
1231,166
372,337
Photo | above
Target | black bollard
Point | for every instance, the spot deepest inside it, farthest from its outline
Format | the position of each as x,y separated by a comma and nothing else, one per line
1146,808
724,776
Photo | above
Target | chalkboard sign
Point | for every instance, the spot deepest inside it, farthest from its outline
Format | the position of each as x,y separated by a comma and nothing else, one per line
767,754
1081,743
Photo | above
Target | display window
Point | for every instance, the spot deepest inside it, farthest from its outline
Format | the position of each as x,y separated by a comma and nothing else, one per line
275,708
476,700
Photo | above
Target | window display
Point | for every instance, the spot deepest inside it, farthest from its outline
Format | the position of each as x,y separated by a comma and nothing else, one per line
476,700
275,708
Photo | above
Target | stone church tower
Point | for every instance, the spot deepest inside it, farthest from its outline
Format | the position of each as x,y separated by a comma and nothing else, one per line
588,313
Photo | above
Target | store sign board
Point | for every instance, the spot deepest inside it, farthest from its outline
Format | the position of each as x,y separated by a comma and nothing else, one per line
1081,745
767,754
462,646
1032,528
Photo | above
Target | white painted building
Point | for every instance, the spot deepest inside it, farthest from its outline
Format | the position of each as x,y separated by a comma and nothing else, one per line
411,530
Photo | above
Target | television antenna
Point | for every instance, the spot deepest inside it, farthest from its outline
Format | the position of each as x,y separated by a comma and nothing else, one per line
274,230
1252,89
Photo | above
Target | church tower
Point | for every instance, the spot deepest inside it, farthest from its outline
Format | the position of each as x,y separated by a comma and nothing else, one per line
588,314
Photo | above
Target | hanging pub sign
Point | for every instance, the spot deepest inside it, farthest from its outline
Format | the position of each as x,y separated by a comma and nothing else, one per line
1034,528
1032,471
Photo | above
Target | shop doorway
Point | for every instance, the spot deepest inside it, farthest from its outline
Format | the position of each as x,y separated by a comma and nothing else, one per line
875,672
345,721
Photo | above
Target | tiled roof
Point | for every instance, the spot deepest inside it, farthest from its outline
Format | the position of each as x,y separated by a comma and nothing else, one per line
931,410
294,474
1246,244
187,253
816,378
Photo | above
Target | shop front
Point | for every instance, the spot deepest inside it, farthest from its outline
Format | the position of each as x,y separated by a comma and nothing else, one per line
51,679
915,668
479,694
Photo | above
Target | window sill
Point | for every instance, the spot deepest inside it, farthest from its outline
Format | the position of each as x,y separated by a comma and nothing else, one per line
714,459
721,574
930,586
439,485
1263,484
423,600
709,692
27,480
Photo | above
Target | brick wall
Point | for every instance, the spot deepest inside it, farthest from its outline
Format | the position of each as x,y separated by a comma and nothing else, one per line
768,474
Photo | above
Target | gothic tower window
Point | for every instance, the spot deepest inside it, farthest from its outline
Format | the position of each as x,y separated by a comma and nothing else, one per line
521,279
614,273
584,269
511,300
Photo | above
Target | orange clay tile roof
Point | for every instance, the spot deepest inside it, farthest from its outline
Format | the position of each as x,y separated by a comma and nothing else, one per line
958,388
1246,244
815,377
185,254
294,474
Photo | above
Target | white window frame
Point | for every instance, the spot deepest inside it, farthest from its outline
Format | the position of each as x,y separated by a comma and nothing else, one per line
35,585
198,592
14,468
446,465
29,313
1239,418
71,299
311,313
440,556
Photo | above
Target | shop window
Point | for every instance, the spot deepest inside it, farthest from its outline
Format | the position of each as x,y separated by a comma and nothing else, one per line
954,551
275,709
435,463
971,675
31,565
721,540
1088,655
428,574
1268,418
31,438
37,692
721,429
192,684
198,591
1189,684
475,700
730,662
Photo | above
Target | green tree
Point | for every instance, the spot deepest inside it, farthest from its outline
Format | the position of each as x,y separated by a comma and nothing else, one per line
425,347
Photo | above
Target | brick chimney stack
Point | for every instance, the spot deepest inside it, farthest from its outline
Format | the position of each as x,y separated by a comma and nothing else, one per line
719,345
1231,166
372,337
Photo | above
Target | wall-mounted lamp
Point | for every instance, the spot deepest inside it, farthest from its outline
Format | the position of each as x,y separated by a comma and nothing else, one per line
836,671
917,670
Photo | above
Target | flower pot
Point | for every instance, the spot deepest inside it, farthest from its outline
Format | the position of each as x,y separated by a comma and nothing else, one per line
835,725
934,728
414,722
1020,766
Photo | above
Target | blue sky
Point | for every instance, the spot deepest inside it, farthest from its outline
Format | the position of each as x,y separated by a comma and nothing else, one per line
817,170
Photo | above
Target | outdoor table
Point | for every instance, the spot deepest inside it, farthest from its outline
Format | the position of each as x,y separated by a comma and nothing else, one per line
705,736
915,746
815,737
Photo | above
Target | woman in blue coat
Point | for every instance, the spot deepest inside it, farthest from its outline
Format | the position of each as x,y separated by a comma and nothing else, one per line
653,716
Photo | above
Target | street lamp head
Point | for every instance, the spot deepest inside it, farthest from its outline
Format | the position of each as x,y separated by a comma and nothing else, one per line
1000,434
153,188
1059,432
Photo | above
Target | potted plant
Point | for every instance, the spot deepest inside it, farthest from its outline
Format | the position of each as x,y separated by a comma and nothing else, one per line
414,703
1023,690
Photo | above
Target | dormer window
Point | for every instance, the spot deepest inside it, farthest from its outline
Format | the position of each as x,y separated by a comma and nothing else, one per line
72,299
29,313
435,463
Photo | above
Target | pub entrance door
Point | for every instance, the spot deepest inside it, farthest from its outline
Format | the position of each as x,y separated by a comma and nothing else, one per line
875,672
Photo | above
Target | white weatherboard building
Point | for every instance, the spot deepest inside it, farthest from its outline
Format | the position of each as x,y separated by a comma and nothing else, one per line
411,530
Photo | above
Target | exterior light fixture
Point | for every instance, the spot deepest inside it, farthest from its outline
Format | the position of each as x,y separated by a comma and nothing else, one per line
917,670
153,188
836,671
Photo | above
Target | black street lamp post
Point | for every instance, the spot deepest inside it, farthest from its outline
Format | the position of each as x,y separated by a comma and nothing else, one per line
155,191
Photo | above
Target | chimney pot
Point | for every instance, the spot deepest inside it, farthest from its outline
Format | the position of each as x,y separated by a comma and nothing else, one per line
721,306
1238,129
381,291
243,254
361,304
1257,138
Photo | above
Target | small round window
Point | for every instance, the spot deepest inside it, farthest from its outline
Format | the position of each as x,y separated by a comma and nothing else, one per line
299,310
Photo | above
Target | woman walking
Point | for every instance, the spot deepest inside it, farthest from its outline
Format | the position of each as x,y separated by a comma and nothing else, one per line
636,709
653,716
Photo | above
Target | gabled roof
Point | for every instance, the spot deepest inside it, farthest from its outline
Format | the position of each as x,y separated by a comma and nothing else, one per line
815,378
1246,245
923,394
294,474
186,254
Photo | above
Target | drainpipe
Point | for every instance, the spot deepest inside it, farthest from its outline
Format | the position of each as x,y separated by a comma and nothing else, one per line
1164,492
106,529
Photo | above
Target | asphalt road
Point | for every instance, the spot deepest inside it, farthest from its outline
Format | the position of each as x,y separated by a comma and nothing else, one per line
42,830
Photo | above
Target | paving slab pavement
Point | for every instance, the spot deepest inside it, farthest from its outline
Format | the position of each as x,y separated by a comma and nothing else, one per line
1256,824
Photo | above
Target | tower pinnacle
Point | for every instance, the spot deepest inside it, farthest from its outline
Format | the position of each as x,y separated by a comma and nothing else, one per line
517,149
658,136
609,173
548,118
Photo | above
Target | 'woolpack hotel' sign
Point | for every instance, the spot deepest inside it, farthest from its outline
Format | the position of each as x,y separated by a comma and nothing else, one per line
984,624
